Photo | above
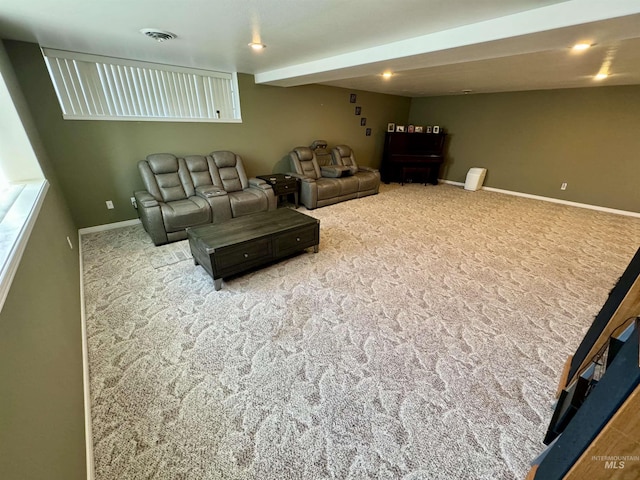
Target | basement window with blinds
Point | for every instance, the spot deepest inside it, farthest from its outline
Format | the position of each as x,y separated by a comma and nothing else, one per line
91,87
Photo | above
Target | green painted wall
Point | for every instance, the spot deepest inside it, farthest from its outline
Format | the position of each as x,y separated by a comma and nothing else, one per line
531,142
41,392
41,399
96,160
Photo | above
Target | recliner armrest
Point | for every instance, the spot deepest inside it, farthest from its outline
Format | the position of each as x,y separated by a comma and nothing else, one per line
259,183
208,191
254,182
145,199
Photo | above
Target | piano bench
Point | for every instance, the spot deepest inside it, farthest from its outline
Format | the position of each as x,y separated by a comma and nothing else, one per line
425,173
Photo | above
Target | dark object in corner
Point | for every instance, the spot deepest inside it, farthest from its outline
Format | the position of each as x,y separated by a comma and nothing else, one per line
407,155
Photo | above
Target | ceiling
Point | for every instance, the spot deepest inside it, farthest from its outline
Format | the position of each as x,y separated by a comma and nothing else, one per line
433,47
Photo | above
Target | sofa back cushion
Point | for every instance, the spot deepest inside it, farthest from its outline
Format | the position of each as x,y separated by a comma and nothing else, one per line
343,155
323,155
165,177
199,170
304,162
228,171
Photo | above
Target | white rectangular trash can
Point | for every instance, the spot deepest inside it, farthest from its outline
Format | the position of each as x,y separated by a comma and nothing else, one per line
475,178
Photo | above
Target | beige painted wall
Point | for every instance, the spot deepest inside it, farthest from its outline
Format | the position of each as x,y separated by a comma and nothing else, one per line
96,160
41,392
531,142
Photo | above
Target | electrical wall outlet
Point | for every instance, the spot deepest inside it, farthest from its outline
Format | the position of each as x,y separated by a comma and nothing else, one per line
563,186
109,205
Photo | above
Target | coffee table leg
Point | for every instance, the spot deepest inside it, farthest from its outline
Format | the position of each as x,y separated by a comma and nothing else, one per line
217,283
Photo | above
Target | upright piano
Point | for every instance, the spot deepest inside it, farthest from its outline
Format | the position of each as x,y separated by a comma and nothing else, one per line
412,157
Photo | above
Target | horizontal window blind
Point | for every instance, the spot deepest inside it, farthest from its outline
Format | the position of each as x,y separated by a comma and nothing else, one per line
93,87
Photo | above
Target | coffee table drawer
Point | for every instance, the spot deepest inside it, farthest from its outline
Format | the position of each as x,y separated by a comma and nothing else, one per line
235,258
283,189
296,240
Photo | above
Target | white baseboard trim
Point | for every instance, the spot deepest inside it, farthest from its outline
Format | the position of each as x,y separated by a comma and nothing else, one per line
451,182
565,202
109,226
88,430
553,200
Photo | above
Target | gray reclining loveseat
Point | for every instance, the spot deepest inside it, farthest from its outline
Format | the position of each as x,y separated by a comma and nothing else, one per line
196,190
328,178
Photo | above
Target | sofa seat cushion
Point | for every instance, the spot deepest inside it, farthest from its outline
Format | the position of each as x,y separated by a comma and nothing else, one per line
328,188
367,180
181,214
248,201
348,185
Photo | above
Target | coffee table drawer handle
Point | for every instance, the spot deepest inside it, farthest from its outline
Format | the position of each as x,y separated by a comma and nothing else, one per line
246,255
297,239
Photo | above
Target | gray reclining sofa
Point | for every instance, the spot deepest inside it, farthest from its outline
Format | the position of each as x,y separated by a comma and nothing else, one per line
196,190
328,178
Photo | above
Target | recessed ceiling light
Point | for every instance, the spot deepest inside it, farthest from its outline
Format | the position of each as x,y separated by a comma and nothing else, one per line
158,35
581,46
387,74
601,76
257,46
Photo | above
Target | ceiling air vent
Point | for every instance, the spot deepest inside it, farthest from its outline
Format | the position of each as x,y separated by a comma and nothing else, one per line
158,35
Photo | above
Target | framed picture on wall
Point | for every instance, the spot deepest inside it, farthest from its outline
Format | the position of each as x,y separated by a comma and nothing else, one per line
352,98
429,128
367,132
399,128
363,122
419,129
411,129
358,110
436,129
391,127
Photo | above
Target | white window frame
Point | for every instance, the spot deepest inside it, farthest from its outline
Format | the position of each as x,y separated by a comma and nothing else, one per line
22,183
15,228
94,87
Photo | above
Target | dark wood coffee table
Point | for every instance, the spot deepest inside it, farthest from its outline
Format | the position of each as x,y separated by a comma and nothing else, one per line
243,243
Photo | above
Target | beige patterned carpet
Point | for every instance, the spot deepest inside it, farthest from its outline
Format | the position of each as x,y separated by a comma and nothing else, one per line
423,341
